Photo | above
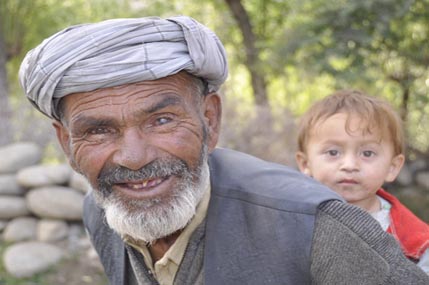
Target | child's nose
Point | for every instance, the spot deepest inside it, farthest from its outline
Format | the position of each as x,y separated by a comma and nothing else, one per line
350,163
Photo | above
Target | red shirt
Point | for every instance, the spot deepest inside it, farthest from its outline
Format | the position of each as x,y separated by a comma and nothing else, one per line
411,232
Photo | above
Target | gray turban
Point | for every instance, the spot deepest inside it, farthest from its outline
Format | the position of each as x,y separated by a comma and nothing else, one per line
114,52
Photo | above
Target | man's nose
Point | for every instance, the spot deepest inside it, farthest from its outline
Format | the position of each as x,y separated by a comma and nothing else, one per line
350,162
132,150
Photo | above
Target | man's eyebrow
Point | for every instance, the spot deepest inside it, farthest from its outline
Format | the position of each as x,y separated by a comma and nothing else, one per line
84,121
167,101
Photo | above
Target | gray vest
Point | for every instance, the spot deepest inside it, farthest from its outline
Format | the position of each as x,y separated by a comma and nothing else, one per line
259,226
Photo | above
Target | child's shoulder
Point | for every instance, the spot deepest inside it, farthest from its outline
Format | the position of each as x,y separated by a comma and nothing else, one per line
403,222
399,210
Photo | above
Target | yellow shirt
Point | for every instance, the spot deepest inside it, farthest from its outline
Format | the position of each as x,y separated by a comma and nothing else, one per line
166,268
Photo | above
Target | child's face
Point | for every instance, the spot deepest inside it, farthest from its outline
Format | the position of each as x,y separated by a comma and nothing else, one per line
353,164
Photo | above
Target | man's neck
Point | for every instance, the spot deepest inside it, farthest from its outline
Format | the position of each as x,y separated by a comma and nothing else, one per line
159,247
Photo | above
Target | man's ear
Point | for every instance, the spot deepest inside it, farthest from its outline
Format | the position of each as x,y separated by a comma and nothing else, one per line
302,161
395,167
63,136
212,118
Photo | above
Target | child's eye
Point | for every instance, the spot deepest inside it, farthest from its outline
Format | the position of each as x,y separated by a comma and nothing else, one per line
368,153
333,152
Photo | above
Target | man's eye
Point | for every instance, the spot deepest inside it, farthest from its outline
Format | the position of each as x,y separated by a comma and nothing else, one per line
99,131
163,120
99,134
333,152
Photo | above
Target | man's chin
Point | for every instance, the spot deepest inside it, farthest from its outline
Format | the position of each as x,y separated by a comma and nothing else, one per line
149,220
149,225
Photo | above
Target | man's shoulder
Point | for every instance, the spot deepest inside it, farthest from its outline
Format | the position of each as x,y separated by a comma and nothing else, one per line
95,221
350,247
236,175
92,213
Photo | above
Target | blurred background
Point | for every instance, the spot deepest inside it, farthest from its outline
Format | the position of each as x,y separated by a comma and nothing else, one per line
283,55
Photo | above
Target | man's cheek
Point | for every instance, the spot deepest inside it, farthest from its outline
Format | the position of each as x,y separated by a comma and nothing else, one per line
88,167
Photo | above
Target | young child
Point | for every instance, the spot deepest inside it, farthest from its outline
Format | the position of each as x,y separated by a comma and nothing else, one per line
354,143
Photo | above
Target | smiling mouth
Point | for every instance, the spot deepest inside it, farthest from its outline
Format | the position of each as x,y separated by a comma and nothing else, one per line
142,185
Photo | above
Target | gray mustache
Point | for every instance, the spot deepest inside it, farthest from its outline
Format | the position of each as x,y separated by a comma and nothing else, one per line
156,169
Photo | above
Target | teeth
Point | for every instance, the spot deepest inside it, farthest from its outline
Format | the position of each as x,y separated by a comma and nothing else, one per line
155,182
144,184
135,186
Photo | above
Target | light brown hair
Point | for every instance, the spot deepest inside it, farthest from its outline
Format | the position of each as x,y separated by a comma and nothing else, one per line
375,114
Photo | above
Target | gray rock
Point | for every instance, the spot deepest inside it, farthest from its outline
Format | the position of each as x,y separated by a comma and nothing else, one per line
417,165
19,155
3,225
9,185
422,179
79,182
56,202
20,229
43,175
405,177
12,207
28,258
76,232
94,259
52,230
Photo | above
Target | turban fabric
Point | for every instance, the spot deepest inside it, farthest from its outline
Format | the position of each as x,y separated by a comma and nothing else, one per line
119,51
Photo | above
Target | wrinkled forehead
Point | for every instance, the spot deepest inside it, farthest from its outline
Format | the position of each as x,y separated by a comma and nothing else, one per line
179,87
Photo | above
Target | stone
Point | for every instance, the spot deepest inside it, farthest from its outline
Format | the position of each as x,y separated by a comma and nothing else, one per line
12,207
19,155
3,224
76,232
43,175
56,202
28,258
51,230
422,179
405,176
94,259
79,182
9,185
20,229
417,165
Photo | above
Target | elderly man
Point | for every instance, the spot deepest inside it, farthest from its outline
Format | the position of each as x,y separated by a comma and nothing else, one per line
134,106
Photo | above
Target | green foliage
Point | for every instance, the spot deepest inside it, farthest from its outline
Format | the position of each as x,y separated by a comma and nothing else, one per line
308,48
379,46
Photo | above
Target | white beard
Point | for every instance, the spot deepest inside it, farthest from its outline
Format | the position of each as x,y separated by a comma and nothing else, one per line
152,220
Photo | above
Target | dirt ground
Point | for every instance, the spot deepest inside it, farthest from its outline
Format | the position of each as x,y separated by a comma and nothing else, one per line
80,266
76,270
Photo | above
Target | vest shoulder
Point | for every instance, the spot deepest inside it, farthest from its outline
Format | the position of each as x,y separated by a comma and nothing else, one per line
241,176
109,246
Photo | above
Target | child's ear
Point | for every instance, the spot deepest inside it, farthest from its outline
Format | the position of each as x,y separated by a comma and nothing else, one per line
395,167
302,161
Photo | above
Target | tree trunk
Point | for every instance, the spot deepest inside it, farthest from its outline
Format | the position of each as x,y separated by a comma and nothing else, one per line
404,103
252,52
6,136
